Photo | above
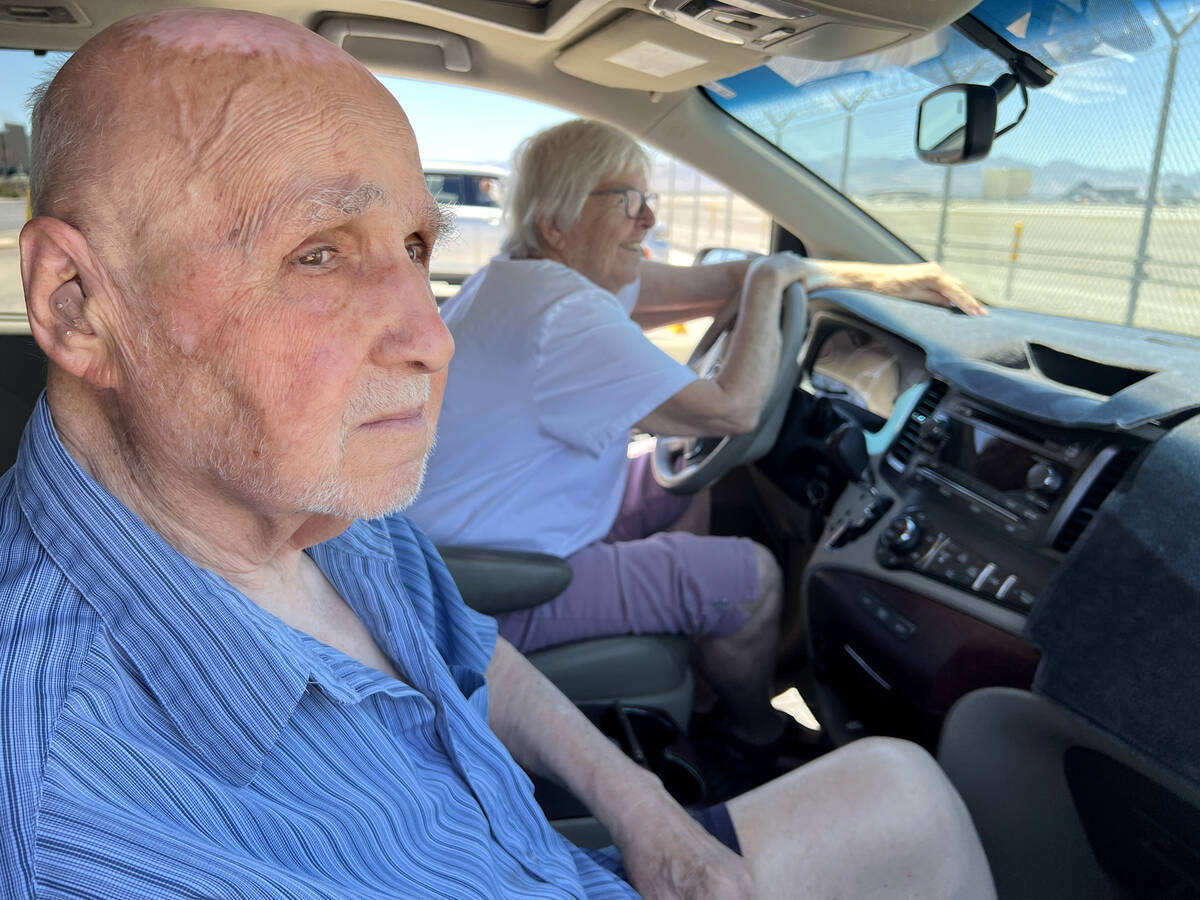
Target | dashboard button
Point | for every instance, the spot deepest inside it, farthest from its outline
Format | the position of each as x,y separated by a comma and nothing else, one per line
984,574
886,616
957,574
902,628
989,584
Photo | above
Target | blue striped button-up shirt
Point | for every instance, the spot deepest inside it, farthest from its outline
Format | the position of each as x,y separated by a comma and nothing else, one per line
162,736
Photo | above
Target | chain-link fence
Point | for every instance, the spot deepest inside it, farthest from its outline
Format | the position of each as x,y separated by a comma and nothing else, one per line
695,212
1089,208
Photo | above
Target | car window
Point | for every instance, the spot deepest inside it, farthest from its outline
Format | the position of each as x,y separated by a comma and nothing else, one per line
480,190
696,212
464,189
1089,208
19,71
446,189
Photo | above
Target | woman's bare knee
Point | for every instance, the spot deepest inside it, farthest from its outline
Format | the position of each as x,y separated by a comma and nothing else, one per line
873,809
770,580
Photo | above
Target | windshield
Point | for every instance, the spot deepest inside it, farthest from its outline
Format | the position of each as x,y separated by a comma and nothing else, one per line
1089,208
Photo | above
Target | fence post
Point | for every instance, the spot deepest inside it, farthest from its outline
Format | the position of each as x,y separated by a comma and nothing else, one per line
1018,227
939,253
846,150
1164,113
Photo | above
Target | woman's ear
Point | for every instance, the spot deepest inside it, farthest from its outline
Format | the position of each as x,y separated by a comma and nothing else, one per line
552,236
63,290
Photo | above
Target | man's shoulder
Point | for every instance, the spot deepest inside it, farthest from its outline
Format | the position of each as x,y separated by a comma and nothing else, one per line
42,614
46,633
35,593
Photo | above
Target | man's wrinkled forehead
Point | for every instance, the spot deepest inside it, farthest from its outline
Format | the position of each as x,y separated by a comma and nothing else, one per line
197,33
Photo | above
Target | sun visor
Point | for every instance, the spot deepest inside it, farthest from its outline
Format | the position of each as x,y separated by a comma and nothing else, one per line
646,53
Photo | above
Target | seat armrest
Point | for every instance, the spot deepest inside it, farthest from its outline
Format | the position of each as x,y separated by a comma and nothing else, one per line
499,581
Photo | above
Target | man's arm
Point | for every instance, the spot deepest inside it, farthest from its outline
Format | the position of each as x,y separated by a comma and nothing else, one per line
666,853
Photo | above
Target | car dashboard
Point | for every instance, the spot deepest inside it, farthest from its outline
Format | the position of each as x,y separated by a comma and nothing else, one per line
1000,526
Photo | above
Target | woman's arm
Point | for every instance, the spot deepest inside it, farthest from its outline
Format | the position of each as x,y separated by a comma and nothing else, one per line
670,294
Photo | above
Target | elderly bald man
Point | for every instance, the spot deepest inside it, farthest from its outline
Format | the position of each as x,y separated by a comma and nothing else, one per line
216,678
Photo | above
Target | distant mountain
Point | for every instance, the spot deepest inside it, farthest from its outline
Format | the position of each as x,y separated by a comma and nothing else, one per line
1050,181
869,175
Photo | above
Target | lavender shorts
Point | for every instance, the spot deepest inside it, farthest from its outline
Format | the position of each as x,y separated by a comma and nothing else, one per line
642,580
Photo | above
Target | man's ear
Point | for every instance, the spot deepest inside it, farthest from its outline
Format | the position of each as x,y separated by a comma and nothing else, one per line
64,297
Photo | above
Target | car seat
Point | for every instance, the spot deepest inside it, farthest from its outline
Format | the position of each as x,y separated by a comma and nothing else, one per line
1064,809
636,670
22,377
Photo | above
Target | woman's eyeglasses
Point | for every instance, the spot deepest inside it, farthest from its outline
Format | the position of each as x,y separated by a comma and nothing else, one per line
636,202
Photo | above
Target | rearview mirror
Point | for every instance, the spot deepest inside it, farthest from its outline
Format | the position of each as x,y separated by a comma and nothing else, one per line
956,124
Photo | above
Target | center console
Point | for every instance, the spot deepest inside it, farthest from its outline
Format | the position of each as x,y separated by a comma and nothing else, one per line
918,591
989,504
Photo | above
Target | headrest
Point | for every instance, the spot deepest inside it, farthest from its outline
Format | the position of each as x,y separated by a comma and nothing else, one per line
22,377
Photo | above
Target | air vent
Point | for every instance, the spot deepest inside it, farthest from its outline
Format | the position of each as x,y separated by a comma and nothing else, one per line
1107,479
906,441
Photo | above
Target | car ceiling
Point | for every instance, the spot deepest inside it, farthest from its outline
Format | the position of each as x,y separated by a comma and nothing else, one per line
555,51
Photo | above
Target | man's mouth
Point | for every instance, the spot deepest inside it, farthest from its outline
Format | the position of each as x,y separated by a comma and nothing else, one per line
389,406
401,418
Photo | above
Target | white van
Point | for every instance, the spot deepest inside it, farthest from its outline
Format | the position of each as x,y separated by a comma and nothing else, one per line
473,192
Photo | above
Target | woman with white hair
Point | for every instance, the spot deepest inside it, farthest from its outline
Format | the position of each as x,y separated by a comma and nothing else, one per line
550,374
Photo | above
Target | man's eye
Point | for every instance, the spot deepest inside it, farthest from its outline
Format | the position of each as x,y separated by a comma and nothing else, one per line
418,252
318,256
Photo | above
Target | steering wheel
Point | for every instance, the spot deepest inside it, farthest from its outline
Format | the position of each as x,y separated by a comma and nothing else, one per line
684,465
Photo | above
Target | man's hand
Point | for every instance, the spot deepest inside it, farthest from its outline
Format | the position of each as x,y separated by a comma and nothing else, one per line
669,856
924,282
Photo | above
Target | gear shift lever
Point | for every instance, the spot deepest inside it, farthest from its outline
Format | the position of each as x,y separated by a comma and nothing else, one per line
848,445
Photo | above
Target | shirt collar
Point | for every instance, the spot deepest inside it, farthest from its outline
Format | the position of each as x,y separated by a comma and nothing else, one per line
227,673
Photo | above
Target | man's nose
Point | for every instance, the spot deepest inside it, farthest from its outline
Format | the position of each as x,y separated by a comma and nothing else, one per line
414,334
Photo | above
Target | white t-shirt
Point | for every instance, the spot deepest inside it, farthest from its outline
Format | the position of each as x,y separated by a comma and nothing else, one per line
548,376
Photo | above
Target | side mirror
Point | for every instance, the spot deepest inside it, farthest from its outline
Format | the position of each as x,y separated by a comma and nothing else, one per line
709,255
956,124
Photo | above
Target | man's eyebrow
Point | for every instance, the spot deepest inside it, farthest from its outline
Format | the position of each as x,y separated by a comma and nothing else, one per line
438,219
328,203
305,208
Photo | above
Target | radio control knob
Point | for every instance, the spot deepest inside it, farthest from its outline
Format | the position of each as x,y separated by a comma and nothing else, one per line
936,430
1044,480
903,534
